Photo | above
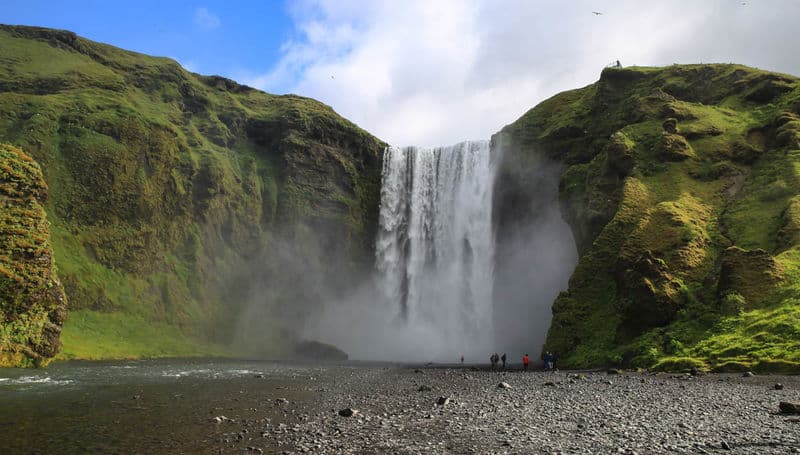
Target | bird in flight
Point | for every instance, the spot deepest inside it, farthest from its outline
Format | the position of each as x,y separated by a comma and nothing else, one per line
597,13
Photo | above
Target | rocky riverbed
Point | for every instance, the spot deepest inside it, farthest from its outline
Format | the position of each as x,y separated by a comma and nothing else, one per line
460,410
241,407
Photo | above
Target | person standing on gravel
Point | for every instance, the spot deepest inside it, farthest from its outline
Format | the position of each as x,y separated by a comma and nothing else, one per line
548,361
503,358
525,361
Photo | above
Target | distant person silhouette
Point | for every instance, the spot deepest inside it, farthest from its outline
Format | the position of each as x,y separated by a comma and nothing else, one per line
495,359
503,358
462,359
525,362
548,361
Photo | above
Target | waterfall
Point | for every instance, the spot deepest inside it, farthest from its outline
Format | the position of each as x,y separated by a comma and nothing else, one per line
435,251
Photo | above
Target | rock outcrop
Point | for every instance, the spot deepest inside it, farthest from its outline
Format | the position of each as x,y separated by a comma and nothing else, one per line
32,302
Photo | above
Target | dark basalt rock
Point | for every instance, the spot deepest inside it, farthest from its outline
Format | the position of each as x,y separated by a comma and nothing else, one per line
787,407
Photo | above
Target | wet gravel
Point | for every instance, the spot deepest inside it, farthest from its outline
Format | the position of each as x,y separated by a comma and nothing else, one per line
396,410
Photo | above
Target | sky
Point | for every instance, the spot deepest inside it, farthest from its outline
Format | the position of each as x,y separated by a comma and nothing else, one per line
430,72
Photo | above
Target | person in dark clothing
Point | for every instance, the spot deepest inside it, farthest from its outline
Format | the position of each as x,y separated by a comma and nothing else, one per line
503,358
548,361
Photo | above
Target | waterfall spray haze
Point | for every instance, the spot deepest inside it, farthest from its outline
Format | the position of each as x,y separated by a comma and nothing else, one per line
535,250
445,283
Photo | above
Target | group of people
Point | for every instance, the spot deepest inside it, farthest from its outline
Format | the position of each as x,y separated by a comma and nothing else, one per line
496,359
499,361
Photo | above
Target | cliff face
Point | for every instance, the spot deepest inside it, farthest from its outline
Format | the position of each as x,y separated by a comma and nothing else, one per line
681,185
32,303
171,192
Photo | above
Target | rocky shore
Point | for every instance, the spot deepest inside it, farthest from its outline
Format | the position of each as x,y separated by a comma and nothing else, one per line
407,410
249,407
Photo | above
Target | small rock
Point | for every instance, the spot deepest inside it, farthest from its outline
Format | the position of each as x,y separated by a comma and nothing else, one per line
725,445
614,371
281,401
258,376
748,374
609,382
348,412
504,385
789,408
779,386
550,384
442,401
418,370
695,371
424,388
137,397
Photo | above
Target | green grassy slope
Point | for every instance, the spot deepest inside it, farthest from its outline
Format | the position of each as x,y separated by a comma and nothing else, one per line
682,187
168,190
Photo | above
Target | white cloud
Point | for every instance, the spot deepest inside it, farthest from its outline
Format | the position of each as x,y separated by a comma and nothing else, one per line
435,73
205,19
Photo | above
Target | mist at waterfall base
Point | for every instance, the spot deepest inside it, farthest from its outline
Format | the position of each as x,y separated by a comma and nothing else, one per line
443,285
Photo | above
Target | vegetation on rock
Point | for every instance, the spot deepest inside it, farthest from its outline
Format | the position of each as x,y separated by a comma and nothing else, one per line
171,192
32,302
681,185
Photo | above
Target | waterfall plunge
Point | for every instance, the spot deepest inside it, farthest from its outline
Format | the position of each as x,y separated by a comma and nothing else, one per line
435,252
442,287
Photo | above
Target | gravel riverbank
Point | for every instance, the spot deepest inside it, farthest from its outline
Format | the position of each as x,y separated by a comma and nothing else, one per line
561,412
192,406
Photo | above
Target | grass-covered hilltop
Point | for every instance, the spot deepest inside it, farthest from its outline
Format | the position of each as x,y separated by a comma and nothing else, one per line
169,195
682,188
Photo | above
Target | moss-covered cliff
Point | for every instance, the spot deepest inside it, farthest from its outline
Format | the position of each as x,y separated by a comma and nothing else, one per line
32,303
682,188
171,192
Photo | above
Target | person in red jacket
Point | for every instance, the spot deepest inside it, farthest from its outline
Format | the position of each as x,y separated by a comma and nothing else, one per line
525,361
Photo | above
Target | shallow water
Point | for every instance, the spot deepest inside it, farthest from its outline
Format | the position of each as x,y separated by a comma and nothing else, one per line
156,406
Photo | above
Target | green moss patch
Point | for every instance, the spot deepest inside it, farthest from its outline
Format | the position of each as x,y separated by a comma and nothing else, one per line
93,335
32,302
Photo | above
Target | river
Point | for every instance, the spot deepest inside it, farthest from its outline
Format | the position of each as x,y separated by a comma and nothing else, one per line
153,406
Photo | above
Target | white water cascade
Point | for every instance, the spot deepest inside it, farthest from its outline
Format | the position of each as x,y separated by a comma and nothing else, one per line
435,249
